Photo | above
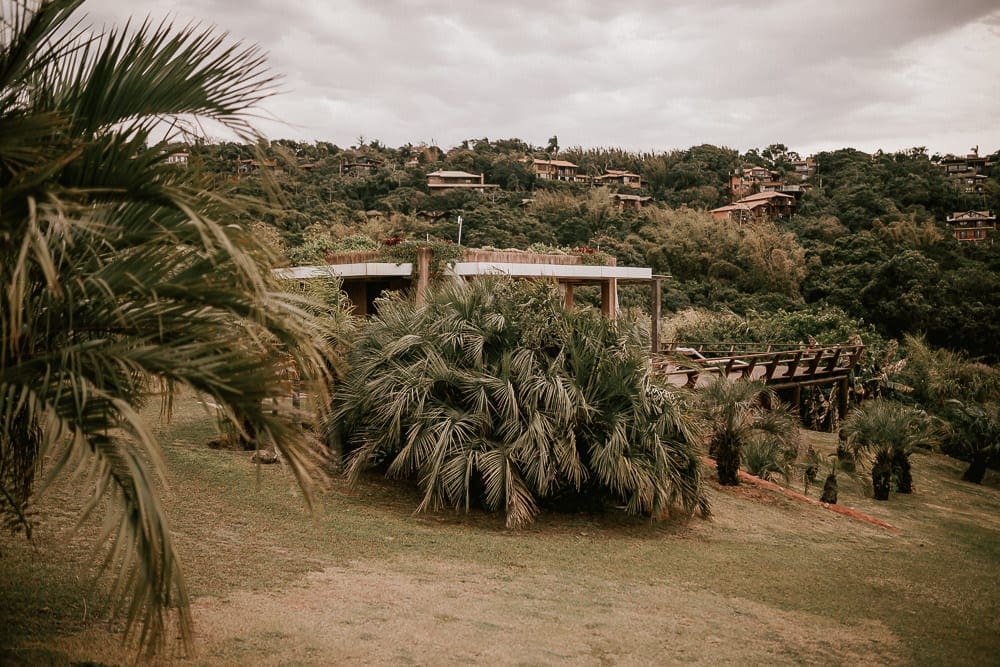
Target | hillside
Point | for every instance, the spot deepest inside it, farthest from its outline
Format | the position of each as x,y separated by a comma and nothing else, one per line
868,234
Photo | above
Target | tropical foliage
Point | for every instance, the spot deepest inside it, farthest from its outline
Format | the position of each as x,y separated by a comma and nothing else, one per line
884,434
742,413
493,394
120,282
963,393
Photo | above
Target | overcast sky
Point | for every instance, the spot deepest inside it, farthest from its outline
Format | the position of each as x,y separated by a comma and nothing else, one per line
644,75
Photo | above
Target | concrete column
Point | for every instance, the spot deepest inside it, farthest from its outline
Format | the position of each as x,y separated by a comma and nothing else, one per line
654,314
422,273
609,297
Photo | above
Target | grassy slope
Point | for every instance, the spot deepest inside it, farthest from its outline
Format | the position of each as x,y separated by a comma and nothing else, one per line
363,580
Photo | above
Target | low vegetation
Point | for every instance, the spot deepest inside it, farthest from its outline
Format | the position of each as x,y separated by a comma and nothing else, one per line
884,435
492,394
363,579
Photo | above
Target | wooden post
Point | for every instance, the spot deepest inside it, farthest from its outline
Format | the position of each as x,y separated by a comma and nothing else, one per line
423,274
567,290
654,314
609,297
797,399
842,398
357,293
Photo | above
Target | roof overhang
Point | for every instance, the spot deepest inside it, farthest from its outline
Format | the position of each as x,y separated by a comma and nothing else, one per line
359,270
564,272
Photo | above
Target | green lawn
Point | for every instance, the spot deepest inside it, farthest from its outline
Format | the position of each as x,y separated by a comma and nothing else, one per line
766,580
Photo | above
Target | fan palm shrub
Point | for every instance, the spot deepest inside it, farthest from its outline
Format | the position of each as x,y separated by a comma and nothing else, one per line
738,414
884,434
492,394
121,281
974,435
768,459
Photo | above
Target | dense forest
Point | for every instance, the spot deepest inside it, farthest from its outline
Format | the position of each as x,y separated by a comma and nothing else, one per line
868,244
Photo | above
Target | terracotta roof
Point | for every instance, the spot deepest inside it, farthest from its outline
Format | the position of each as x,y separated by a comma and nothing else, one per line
734,207
631,197
970,216
556,163
766,195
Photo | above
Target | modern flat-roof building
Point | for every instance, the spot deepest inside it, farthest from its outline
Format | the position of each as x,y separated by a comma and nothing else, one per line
366,275
443,180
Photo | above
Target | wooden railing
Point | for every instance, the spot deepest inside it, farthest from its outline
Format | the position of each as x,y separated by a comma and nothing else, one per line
790,367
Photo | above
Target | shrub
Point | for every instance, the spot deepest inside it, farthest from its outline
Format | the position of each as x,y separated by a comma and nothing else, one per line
738,417
491,393
884,434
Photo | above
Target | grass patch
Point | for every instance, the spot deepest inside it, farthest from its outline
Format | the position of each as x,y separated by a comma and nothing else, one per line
362,579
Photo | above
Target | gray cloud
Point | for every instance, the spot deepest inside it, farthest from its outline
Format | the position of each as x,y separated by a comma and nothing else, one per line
645,75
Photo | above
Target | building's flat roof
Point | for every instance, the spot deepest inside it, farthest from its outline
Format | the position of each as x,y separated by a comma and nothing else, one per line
574,272
560,271
359,270
453,174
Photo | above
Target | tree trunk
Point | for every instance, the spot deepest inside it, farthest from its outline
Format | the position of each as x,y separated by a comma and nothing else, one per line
829,490
901,470
728,463
882,479
248,439
976,471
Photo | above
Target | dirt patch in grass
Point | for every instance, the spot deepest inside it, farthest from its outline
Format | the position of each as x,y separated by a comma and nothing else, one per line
766,579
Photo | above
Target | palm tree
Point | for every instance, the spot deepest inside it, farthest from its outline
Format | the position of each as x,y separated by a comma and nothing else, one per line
492,394
121,280
885,433
737,414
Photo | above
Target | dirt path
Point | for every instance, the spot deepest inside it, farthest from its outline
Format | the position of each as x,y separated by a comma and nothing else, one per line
434,613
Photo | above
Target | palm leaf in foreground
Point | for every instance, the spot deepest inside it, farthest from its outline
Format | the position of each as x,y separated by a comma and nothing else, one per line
121,282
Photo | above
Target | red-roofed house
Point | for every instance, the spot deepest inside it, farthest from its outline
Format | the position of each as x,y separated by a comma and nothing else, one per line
758,206
973,226
619,177
554,170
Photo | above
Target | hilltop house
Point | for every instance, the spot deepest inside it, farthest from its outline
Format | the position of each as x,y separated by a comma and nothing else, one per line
804,168
361,165
629,202
973,226
747,180
443,180
966,173
619,177
250,166
554,170
759,206
180,158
